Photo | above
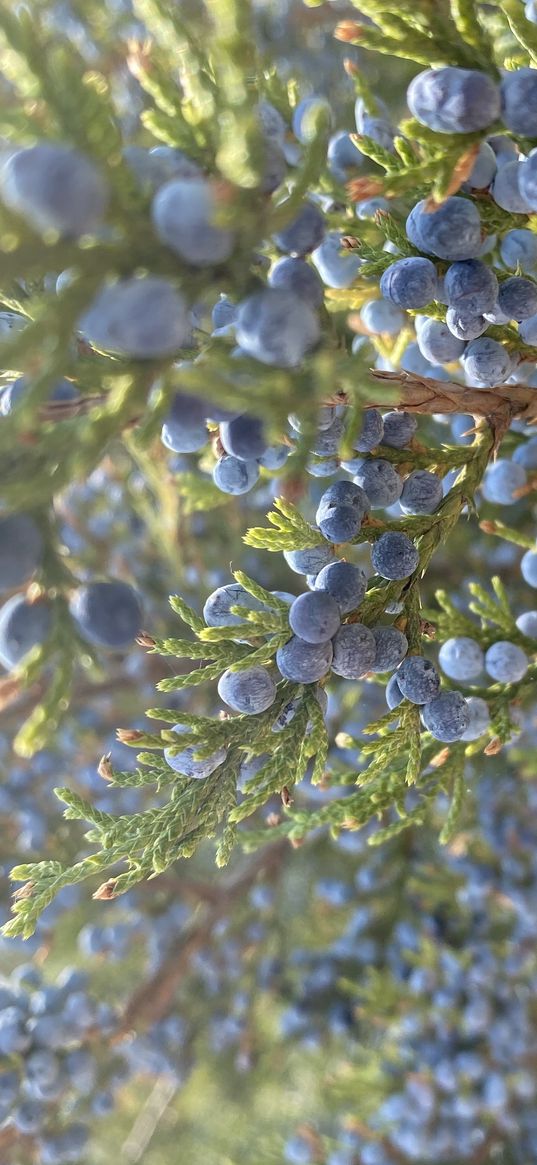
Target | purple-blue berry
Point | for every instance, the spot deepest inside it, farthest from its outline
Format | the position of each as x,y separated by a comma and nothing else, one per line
446,717
502,482
183,213
277,327
487,361
422,493
461,658
108,614
345,582
188,764
380,481
454,100
315,616
394,555
517,298
234,476
410,283
399,429
418,679
250,691
391,646
479,720
354,651
505,662
304,663
294,274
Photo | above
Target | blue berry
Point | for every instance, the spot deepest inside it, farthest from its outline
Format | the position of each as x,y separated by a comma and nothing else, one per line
108,614
354,651
141,317
273,168
526,454
327,441
368,208
297,276
305,115
224,312
376,126
465,325
235,476
304,663
446,717
479,718
527,624
380,481
461,658
325,467
399,429
528,330
297,1151
345,582
339,523
185,428
518,248
394,695
371,432
483,169
517,297
244,437
519,101
506,190
309,561
487,361
183,213
325,418
412,360
343,156
304,233
336,267
315,616
505,662
453,231
250,691
277,327
55,188
217,609
472,286
422,493
380,316
391,646
418,679
23,625
152,168
528,180
410,283
454,100
274,457
344,493
185,762
438,344
21,549
63,391
502,481
394,555
271,121
528,567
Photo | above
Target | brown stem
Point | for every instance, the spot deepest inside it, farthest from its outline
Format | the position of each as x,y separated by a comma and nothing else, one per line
499,404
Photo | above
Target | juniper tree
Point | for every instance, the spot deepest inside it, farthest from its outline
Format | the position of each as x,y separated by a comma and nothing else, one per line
147,309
